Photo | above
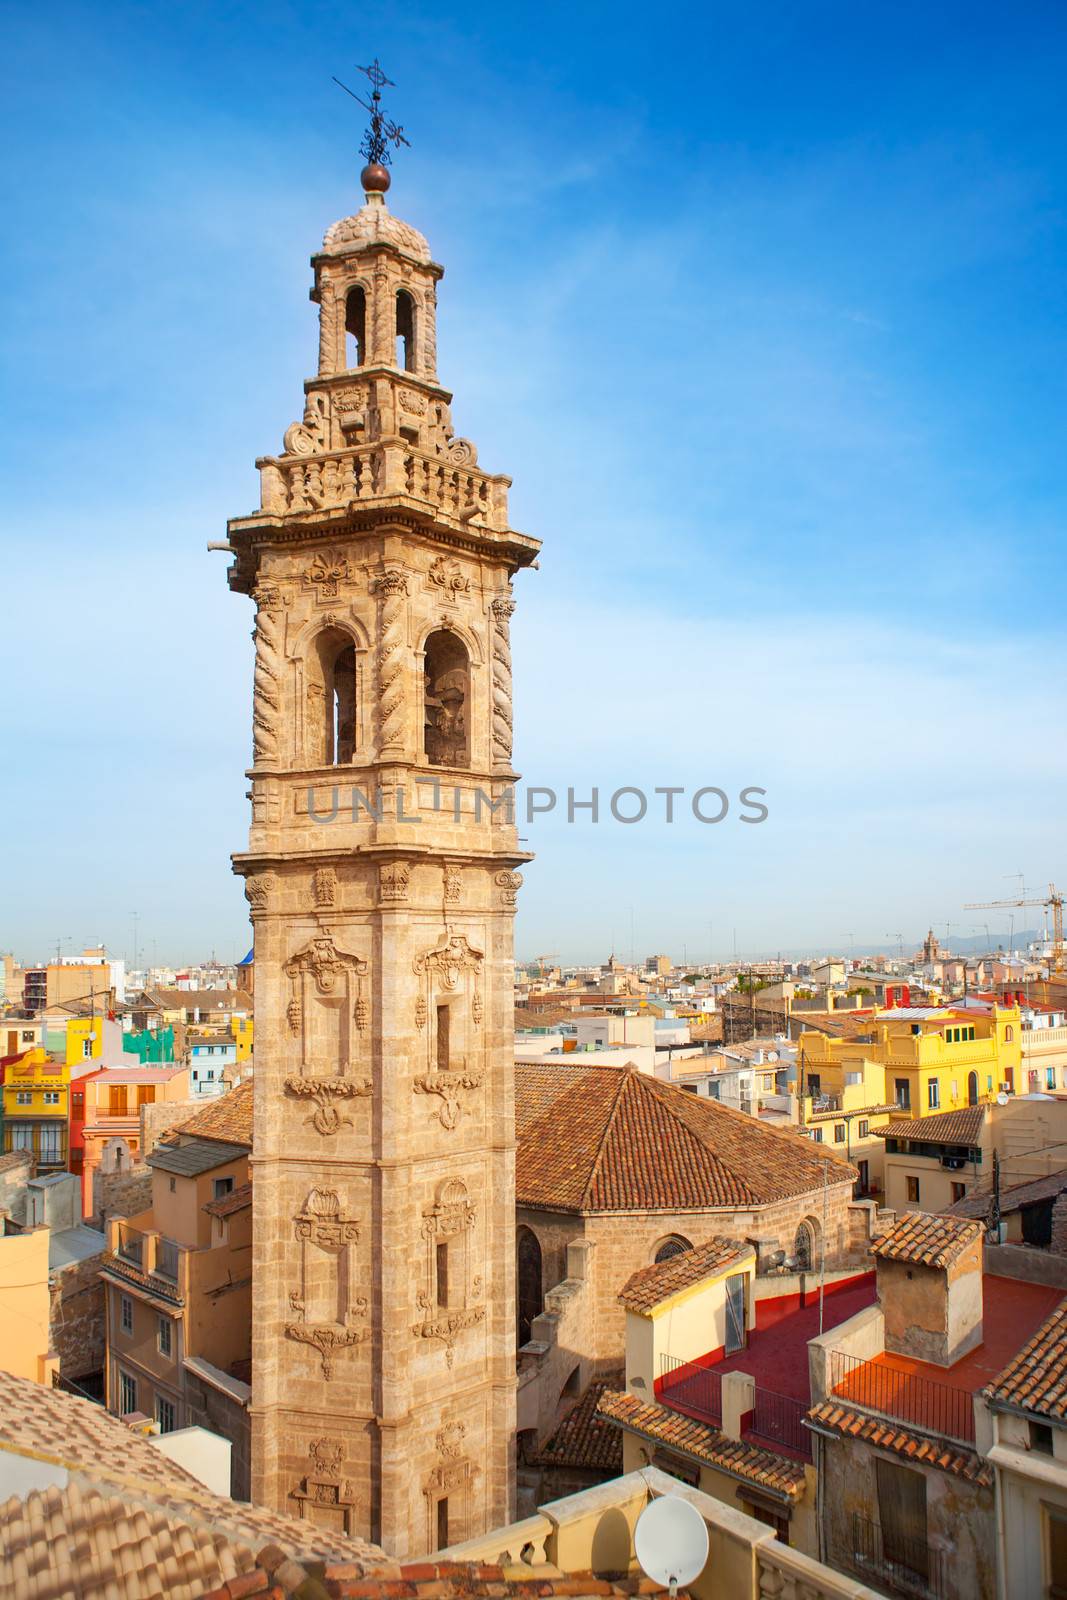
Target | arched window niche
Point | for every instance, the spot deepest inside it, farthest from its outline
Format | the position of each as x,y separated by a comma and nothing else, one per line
674,1245
355,327
332,699
530,1281
446,731
405,331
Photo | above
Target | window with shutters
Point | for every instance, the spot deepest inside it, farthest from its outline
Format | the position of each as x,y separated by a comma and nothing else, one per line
902,1516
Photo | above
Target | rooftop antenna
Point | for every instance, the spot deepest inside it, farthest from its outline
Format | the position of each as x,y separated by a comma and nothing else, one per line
671,1542
383,131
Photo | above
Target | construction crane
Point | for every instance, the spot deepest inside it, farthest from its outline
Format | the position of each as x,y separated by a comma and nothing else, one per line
542,959
1053,899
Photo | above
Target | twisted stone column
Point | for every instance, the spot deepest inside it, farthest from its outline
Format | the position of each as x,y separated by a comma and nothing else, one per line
502,609
392,590
266,702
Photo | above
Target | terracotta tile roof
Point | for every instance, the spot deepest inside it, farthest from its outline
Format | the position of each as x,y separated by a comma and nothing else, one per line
433,1579
1036,1379
113,1267
228,1118
698,1440
237,1200
650,1286
944,1127
926,1240
584,1439
538,1088
617,1139
888,1435
15,1158
978,1202
129,1523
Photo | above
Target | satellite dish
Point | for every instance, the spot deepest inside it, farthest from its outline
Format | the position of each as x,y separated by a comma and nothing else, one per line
1002,1099
671,1542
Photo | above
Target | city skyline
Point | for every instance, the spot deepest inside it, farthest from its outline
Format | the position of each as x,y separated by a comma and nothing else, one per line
808,550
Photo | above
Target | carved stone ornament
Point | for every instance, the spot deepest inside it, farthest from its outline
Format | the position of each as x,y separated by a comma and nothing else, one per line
509,884
461,452
309,437
453,967
446,1325
453,883
324,887
449,961
322,1226
420,1011
393,879
449,577
449,1440
258,890
412,402
324,1494
326,1008
326,573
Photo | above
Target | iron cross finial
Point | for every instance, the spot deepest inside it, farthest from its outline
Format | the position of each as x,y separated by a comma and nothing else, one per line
382,132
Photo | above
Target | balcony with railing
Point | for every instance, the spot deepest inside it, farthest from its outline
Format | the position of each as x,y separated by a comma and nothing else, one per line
907,1566
897,1391
756,1414
144,1254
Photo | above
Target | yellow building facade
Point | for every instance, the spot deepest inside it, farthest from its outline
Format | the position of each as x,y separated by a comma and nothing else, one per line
926,1062
37,1109
242,1033
85,1040
24,1306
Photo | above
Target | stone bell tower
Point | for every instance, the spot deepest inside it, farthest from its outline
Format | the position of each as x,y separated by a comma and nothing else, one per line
381,875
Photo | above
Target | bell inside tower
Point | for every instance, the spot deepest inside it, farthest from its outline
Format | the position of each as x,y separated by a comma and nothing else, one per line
447,698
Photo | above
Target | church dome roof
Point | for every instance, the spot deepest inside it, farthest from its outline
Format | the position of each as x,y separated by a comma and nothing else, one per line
375,224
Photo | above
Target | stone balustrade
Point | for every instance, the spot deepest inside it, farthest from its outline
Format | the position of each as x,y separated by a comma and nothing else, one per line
593,1532
521,1544
340,478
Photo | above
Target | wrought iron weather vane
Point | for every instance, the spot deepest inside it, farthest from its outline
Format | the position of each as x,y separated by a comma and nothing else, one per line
383,131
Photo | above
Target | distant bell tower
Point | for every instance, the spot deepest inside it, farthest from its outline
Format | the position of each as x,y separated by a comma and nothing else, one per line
381,876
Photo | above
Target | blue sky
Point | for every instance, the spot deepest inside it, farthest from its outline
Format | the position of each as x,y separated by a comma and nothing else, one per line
763,310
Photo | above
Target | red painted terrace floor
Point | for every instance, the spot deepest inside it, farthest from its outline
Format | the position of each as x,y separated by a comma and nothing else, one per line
916,1391
777,1356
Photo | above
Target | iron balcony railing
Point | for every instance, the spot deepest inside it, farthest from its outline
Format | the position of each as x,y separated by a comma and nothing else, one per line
691,1388
778,1421
933,1407
907,1565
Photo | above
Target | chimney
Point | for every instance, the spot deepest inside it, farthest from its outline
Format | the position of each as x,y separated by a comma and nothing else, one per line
930,1287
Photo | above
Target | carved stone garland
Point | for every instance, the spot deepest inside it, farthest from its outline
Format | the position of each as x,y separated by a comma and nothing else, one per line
267,698
321,1225
324,980
502,609
452,1216
392,589
454,968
